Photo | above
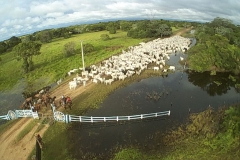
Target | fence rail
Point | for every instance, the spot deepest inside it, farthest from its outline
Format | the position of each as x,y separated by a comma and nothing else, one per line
5,117
19,113
73,118
59,116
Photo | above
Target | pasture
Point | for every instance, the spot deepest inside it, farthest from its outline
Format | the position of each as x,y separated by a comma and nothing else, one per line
52,64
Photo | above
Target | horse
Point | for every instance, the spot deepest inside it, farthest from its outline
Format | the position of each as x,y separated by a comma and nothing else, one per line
52,100
27,103
36,106
46,99
65,103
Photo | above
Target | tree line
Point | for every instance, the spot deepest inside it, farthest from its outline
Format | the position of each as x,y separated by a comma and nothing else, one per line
217,48
135,29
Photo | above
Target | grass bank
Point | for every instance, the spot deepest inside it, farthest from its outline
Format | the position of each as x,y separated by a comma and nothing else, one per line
209,135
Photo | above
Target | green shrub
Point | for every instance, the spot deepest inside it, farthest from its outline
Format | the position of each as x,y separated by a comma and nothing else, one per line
105,37
88,48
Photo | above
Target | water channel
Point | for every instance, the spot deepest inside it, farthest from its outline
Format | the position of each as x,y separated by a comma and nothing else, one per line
181,92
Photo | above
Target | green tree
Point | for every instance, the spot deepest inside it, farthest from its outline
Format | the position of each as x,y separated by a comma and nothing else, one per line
112,27
125,25
44,36
133,33
221,22
214,53
67,35
13,41
3,47
112,31
25,51
164,30
69,49
28,38
143,25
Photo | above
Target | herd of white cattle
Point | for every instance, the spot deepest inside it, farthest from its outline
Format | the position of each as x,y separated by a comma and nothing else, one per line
133,61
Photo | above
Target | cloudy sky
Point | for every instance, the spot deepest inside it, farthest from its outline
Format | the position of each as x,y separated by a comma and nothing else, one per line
20,17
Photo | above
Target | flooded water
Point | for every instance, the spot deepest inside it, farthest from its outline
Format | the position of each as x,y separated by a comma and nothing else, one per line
12,99
180,92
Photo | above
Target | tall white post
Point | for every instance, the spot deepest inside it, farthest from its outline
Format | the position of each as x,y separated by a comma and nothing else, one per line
82,57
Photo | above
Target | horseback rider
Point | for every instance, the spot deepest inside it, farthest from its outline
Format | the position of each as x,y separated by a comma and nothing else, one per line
68,100
63,99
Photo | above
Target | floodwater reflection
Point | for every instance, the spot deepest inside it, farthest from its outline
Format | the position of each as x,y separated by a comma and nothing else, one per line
213,84
178,92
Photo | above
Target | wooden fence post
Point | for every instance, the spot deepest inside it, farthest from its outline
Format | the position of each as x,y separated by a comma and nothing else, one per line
39,145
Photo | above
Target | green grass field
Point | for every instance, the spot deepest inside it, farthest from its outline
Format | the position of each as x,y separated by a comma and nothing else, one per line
52,64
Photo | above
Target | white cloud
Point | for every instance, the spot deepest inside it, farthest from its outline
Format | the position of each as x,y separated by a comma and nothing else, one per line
54,14
18,26
24,16
42,8
3,30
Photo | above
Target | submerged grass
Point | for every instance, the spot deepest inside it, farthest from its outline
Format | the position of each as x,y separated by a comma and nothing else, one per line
130,153
217,139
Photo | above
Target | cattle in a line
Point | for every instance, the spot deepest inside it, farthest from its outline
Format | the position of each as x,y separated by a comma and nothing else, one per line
133,61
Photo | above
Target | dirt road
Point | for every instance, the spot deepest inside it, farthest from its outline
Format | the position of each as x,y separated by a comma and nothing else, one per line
10,150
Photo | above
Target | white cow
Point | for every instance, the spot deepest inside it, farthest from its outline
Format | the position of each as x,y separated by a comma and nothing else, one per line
164,70
172,68
59,81
122,77
85,73
72,84
94,81
84,83
155,68
109,81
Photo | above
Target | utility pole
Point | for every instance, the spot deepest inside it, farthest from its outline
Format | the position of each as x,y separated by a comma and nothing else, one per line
82,56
